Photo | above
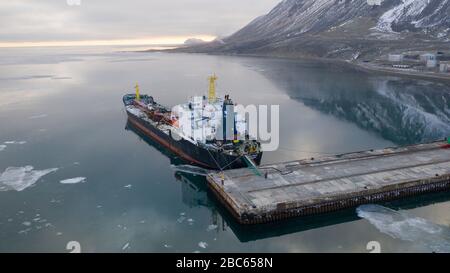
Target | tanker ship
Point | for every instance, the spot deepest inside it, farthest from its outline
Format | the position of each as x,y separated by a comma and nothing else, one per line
206,131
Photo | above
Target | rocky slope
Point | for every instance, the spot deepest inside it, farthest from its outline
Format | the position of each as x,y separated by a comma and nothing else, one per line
348,29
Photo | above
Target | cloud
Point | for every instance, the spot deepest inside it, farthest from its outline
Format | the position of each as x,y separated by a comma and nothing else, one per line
56,20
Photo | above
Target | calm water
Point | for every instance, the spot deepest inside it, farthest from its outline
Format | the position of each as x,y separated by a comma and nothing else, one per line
61,112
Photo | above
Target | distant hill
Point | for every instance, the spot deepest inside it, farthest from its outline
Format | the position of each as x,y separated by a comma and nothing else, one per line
193,41
345,29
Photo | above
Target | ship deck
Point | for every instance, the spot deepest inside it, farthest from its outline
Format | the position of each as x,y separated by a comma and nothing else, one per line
313,186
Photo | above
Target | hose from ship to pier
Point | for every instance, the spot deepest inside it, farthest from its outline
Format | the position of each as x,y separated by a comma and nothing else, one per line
215,162
233,161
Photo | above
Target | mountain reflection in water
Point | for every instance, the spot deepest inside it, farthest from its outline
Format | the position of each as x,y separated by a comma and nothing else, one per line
402,110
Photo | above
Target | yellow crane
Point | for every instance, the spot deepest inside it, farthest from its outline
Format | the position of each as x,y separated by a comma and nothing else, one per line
138,97
212,88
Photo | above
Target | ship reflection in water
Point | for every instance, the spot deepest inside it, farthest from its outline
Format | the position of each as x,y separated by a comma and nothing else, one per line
195,193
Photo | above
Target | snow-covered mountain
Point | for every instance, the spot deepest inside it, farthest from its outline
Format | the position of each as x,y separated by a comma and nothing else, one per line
417,15
295,17
339,28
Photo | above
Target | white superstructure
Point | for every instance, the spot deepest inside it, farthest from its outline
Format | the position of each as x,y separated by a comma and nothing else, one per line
201,119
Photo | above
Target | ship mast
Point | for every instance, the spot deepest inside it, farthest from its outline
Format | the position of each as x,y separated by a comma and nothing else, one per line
212,88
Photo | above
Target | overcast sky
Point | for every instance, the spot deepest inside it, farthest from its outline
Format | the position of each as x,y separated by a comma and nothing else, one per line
58,20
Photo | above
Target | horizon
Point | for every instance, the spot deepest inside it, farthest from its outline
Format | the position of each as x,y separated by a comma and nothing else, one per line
155,41
52,23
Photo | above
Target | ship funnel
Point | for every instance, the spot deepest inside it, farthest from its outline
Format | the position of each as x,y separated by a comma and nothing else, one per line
212,88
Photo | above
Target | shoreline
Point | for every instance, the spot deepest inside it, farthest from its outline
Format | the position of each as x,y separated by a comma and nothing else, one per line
360,66
405,73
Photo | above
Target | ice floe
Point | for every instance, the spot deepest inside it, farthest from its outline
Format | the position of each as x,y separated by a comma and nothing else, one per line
203,244
73,180
181,219
38,116
211,228
20,178
128,186
10,142
15,142
25,231
126,246
401,225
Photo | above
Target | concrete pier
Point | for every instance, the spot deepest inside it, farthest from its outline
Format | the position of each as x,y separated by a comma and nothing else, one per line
319,185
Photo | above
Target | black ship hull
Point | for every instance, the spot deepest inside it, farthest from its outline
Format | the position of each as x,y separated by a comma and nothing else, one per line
189,152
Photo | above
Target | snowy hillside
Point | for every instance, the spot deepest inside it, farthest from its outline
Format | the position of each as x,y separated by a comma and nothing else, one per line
341,29
416,15
295,17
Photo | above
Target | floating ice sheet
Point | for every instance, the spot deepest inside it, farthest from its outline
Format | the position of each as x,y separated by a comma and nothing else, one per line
2,147
126,246
400,225
38,116
20,178
203,244
181,219
211,227
15,142
73,180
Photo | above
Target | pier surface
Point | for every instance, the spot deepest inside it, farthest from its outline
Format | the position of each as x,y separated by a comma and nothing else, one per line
313,186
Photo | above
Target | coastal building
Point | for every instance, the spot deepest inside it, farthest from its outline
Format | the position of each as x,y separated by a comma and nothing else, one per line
427,57
396,58
444,66
431,63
